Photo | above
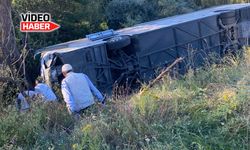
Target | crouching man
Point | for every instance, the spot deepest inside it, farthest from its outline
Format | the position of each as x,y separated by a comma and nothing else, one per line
41,90
78,90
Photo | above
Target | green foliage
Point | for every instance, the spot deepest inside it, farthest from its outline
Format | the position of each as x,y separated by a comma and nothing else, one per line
208,109
8,94
124,13
46,125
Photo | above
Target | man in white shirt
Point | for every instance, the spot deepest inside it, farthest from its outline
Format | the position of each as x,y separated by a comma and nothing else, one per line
78,90
45,91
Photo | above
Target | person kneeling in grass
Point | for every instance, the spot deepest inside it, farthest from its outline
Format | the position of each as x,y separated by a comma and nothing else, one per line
42,90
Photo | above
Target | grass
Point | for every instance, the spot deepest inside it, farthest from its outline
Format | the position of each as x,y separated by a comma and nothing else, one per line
208,109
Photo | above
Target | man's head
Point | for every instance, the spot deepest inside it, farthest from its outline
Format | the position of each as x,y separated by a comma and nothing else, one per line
66,68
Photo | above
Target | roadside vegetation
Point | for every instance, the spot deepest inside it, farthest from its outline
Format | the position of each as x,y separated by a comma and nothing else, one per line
206,109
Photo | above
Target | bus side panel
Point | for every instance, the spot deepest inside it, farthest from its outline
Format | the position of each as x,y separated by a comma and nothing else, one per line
154,50
92,61
97,67
195,41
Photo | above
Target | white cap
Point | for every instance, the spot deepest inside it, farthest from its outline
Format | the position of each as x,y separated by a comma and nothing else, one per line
66,68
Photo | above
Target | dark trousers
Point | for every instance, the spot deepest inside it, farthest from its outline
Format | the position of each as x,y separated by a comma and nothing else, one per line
77,114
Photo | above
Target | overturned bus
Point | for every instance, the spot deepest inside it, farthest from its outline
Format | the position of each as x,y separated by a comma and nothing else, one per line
138,52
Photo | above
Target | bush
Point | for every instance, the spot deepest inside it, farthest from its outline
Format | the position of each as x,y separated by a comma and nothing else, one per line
45,125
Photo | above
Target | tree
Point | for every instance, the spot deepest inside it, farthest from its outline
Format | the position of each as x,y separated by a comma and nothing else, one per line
10,54
124,13
7,39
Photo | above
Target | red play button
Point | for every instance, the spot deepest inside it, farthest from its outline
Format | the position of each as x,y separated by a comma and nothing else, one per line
38,26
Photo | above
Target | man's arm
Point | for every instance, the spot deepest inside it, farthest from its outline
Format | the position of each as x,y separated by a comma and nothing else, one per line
67,97
94,90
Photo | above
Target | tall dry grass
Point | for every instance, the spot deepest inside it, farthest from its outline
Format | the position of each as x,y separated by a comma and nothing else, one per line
206,109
